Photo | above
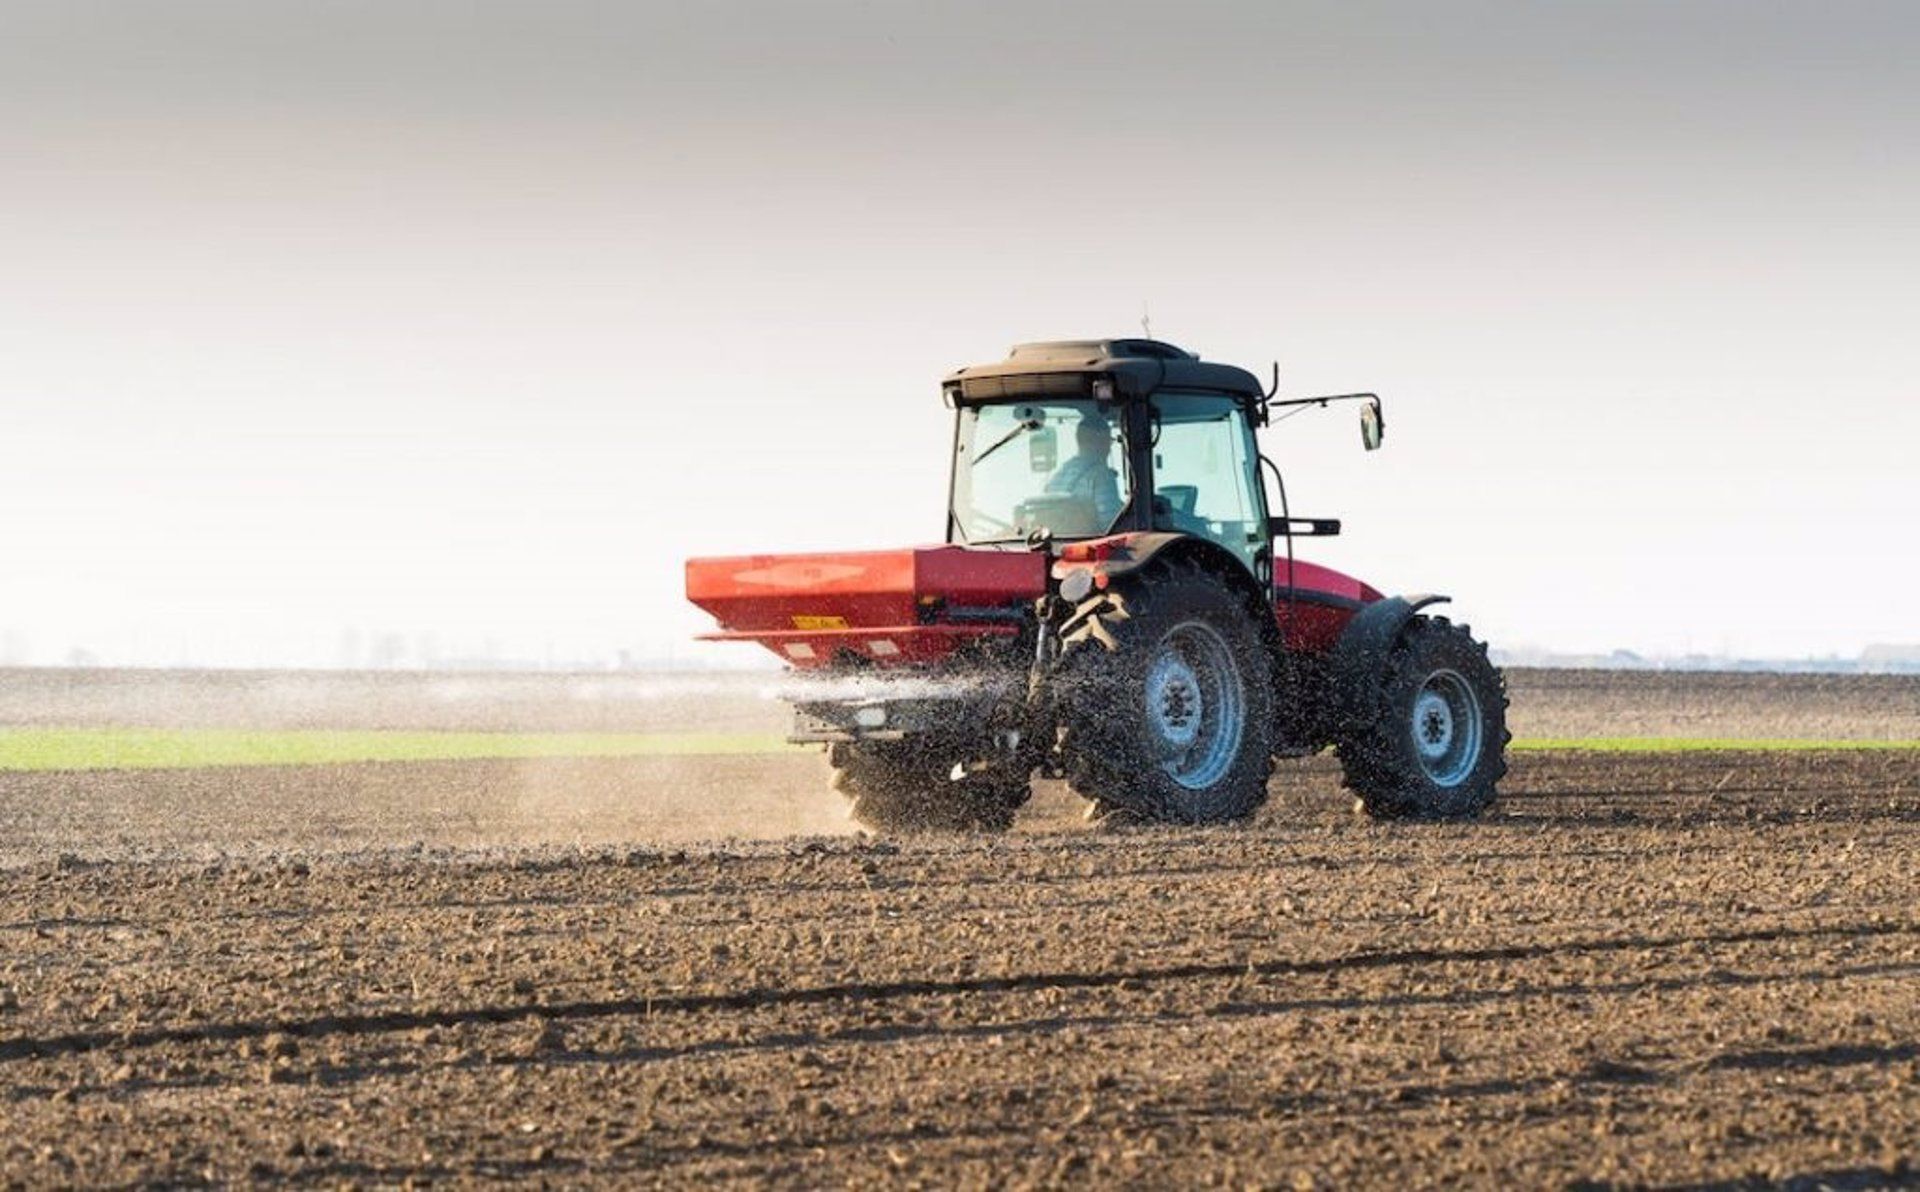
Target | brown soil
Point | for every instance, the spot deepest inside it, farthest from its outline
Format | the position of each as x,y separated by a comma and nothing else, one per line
1599,703
1690,970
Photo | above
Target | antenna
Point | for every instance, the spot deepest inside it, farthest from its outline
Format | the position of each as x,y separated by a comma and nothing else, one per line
1146,320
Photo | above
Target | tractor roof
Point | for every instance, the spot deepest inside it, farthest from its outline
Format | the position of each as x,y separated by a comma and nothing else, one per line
1137,367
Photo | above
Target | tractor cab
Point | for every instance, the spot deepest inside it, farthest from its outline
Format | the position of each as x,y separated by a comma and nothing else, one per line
1082,439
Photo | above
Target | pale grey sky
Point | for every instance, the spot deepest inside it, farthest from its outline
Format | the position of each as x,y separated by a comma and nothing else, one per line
474,320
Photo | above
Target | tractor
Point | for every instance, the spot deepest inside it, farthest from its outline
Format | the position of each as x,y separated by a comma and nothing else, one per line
1114,604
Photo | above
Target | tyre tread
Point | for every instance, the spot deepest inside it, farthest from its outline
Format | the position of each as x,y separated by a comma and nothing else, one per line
1385,783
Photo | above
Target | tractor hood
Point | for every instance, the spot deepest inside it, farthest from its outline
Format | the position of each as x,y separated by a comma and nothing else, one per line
912,605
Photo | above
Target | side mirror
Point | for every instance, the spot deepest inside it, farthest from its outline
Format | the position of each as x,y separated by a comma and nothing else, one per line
1373,424
1043,449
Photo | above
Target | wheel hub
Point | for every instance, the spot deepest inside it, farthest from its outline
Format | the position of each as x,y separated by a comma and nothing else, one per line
1174,700
1433,724
1447,726
1196,705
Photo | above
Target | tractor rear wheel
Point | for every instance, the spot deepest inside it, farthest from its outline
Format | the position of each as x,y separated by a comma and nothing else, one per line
1164,699
894,787
1429,741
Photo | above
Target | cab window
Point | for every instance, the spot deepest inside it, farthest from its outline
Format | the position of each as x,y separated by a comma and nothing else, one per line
1204,473
1057,467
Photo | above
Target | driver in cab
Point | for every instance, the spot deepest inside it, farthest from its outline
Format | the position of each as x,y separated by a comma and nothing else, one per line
1087,476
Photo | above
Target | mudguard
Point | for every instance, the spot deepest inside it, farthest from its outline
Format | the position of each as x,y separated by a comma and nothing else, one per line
1119,555
1362,649
1115,557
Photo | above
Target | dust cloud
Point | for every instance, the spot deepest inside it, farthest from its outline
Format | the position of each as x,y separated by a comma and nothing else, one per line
869,685
488,702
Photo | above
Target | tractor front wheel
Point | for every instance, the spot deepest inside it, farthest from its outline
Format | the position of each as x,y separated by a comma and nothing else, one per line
1429,740
893,787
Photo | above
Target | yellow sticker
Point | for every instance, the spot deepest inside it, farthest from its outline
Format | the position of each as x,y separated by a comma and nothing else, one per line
805,622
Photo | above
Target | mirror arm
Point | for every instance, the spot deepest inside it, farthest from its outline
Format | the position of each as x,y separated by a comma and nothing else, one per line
1266,399
1321,401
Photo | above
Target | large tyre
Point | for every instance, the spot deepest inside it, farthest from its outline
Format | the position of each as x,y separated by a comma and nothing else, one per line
1429,740
895,787
1164,700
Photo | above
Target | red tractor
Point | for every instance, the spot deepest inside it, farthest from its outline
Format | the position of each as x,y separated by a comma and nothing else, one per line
1129,617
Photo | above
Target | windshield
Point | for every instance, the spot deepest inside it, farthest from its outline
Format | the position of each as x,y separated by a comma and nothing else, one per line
1057,466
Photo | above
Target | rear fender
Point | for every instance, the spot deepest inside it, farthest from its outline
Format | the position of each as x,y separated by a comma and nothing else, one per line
1354,666
1108,560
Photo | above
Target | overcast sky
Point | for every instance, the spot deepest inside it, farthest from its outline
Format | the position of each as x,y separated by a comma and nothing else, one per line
473,320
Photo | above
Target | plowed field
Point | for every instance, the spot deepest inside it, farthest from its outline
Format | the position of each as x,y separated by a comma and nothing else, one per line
1687,969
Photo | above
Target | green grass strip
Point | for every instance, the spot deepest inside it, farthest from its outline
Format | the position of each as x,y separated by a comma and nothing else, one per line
1699,744
156,748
